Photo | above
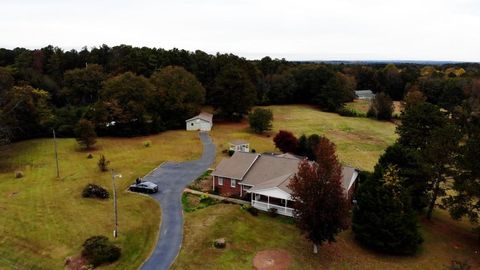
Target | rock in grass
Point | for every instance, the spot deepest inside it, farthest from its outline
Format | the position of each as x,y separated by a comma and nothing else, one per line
220,243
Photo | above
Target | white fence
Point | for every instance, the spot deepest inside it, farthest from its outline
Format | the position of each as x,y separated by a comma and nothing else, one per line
282,210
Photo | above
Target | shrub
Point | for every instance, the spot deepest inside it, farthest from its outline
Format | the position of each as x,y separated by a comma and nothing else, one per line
99,250
254,151
90,156
85,133
19,174
272,212
286,141
260,120
252,210
343,111
95,191
103,163
231,152
147,143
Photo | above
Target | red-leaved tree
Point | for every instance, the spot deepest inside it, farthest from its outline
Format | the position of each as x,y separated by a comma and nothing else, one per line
286,141
321,207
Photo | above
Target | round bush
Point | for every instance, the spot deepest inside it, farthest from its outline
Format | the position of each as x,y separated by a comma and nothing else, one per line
90,156
231,152
147,143
19,174
99,250
95,191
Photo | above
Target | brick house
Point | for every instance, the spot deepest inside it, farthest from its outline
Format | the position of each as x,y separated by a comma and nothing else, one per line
263,179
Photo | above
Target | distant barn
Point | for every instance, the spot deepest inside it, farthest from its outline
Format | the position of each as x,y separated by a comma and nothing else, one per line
364,94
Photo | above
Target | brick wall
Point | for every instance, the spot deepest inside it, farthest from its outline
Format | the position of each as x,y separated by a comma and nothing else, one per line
226,189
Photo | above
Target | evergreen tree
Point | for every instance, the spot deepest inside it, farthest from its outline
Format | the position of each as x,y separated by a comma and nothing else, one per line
383,218
234,93
85,133
260,120
410,170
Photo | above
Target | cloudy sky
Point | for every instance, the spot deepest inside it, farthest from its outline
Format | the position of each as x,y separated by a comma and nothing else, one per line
295,30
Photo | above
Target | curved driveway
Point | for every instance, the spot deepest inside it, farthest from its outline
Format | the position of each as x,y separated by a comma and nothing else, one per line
172,178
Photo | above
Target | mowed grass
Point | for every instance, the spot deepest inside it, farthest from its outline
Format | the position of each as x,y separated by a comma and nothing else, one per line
360,141
246,235
43,219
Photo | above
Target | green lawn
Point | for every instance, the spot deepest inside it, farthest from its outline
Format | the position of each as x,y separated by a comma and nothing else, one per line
360,141
246,235
44,219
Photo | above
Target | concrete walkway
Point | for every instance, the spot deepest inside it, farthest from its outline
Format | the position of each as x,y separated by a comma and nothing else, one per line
171,179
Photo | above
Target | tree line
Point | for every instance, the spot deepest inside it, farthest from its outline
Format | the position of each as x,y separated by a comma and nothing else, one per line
127,91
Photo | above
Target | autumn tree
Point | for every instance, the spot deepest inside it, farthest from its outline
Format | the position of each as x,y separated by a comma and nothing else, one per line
383,218
286,141
320,205
260,120
85,133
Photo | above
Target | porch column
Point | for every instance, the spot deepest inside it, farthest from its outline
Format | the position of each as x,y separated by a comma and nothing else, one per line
286,206
268,202
213,183
251,198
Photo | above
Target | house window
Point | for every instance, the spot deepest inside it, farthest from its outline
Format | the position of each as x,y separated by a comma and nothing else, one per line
220,181
282,201
191,124
233,183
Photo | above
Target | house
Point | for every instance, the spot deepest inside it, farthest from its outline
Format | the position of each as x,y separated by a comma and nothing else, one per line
364,94
201,122
239,146
264,178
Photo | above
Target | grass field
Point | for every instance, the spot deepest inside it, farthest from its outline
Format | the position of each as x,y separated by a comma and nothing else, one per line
445,240
360,141
44,219
362,106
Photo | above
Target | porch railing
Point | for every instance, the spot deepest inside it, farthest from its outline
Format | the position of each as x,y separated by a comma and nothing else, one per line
282,210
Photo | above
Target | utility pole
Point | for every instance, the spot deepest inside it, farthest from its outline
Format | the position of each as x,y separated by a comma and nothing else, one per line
115,210
56,153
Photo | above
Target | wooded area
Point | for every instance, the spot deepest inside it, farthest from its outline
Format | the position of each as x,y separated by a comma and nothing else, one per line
128,91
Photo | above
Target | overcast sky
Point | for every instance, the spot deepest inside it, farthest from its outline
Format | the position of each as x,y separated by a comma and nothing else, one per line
295,30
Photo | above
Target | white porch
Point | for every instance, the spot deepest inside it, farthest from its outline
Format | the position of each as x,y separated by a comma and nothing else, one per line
267,199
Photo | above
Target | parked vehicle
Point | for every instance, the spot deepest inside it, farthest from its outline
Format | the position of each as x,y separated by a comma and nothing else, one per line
147,187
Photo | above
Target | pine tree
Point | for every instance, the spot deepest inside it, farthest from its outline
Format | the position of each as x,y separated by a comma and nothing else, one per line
383,218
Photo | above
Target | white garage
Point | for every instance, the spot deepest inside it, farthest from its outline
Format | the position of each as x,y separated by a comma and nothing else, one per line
201,122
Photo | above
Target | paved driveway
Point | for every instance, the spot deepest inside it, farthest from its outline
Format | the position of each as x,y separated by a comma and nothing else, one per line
172,178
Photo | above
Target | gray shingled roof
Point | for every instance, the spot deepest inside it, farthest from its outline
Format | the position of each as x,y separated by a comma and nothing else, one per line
204,116
236,166
366,94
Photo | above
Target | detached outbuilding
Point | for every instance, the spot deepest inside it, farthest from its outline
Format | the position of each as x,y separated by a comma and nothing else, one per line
201,122
364,94
239,146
